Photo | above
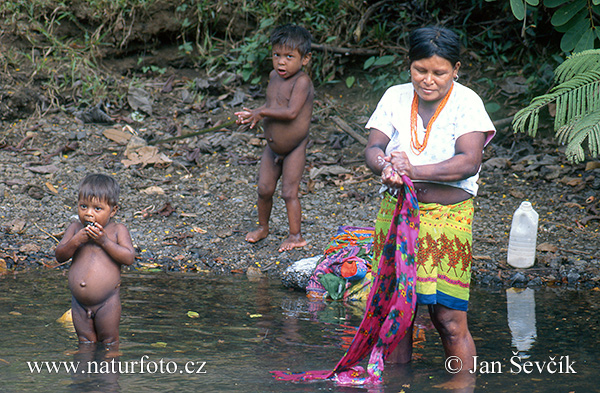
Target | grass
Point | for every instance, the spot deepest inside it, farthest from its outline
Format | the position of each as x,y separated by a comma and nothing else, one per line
64,43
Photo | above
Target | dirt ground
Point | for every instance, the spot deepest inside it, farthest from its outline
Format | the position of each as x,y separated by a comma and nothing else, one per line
189,203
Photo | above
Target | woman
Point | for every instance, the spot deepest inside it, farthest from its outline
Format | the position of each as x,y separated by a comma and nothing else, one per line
433,130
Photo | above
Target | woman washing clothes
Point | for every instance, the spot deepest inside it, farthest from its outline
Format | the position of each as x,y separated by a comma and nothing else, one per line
433,130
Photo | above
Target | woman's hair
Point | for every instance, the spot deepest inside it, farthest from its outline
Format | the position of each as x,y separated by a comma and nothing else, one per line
429,41
101,187
292,36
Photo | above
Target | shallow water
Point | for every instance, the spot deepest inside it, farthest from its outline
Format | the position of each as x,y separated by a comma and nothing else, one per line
243,329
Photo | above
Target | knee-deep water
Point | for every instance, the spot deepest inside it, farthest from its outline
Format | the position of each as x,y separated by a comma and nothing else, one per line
196,333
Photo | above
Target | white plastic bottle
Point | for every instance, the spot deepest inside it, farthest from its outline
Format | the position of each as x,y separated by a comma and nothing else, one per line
523,237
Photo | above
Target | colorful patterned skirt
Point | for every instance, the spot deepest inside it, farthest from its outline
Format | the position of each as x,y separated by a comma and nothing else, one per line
444,250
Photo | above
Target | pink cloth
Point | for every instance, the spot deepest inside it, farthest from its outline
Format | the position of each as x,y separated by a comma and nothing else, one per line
390,306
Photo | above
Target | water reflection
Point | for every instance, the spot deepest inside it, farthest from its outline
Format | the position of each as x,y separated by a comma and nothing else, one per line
520,304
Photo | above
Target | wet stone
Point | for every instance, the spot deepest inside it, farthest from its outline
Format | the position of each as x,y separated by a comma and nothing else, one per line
518,279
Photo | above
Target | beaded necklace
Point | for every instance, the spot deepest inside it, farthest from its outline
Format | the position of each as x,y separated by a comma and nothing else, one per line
415,145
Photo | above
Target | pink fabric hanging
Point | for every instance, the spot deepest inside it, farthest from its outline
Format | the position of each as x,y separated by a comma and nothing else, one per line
390,306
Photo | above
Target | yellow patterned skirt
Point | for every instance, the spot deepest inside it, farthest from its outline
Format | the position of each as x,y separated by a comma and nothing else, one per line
444,250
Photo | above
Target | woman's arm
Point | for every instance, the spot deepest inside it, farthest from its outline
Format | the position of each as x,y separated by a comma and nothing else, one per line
375,150
464,164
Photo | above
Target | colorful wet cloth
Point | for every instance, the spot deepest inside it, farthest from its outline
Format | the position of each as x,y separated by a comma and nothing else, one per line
349,245
390,305
444,256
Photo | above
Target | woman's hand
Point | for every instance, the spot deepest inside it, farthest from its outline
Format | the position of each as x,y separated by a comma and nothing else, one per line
390,177
401,164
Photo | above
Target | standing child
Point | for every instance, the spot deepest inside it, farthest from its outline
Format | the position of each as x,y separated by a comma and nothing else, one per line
287,113
98,247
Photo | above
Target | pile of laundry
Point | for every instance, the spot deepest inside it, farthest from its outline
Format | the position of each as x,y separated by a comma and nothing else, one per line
343,270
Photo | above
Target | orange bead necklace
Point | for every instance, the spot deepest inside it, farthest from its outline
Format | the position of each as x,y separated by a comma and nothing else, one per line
415,145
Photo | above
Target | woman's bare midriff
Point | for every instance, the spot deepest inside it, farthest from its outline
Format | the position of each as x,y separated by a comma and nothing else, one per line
440,193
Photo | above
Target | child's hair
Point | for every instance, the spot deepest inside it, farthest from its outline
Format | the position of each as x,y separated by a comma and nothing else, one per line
103,187
293,37
433,40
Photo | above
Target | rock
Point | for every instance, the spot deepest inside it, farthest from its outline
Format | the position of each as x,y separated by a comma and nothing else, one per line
298,274
572,278
518,279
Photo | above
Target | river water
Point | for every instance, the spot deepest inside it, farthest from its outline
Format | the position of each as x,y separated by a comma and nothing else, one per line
223,334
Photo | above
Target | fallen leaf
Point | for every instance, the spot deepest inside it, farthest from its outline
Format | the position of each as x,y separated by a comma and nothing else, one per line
517,194
573,204
15,313
547,247
3,268
138,152
153,190
51,187
119,135
148,265
327,170
139,99
45,169
29,248
67,317
159,344
166,210
193,314
16,226
591,165
198,230
255,315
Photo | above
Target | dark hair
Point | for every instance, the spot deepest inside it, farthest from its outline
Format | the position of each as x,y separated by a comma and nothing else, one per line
429,41
292,36
103,187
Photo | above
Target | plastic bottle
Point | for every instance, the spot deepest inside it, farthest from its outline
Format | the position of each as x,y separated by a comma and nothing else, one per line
523,237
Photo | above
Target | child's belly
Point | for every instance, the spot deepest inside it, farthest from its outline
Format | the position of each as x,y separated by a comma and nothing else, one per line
284,137
93,281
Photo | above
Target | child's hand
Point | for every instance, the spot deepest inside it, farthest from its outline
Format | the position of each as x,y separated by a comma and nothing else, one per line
81,236
242,117
95,232
248,116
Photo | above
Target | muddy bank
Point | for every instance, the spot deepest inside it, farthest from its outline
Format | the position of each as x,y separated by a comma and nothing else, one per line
190,202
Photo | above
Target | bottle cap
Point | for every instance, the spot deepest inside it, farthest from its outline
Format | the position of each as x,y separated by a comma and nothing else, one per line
526,205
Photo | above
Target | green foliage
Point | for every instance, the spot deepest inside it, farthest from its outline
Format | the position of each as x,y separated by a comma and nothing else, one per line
577,100
574,18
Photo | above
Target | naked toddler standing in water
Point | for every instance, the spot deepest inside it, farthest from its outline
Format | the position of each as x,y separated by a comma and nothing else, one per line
98,247
287,113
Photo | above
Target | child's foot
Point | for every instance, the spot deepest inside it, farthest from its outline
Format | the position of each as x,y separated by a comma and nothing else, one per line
256,235
293,241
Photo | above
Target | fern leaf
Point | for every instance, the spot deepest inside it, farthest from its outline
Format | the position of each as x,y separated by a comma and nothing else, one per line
588,127
570,96
577,63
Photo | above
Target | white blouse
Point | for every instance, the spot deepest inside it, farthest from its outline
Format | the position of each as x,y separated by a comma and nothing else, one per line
464,113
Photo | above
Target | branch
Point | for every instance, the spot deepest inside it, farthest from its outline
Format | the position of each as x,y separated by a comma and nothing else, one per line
204,131
345,51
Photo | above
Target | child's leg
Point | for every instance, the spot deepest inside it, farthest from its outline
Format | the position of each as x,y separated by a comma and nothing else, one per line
107,318
293,167
83,322
268,174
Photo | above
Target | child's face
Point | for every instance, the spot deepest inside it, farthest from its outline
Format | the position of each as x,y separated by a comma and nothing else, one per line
95,210
287,62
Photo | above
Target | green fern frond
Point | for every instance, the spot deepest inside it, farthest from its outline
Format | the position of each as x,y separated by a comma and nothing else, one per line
574,97
588,127
577,63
